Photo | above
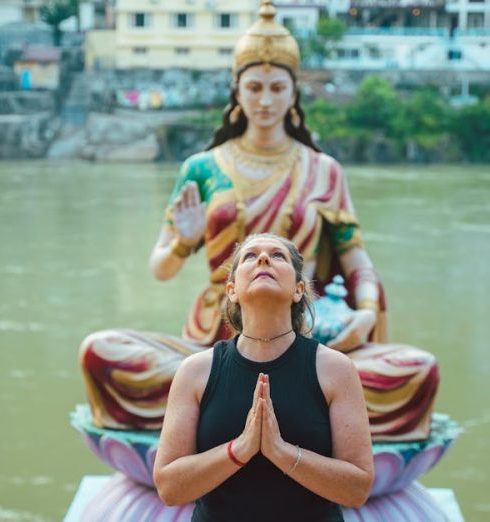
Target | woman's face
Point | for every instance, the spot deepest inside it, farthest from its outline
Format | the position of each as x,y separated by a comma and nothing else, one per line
265,269
265,95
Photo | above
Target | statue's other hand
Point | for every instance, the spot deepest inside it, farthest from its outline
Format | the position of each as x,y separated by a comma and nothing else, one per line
356,332
189,214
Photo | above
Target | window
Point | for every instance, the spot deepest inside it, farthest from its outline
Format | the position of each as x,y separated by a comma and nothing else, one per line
225,51
475,20
140,50
140,19
226,20
347,53
182,50
182,20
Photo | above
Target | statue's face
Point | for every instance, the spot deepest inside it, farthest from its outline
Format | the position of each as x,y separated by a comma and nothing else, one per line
265,94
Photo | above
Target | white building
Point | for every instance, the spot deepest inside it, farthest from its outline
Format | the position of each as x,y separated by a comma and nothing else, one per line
401,34
19,11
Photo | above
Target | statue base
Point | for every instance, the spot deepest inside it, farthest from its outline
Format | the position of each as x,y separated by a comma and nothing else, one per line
397,464
117,497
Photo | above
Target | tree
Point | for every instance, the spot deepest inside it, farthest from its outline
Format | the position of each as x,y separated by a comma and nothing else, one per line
471,126
317,45
376,106
53,12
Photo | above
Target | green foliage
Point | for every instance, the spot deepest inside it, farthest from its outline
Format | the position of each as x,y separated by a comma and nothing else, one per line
471,126
327,119
376,106
318,45
420,127
330,29
53,12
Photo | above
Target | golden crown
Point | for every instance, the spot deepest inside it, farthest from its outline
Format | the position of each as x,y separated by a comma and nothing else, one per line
267,42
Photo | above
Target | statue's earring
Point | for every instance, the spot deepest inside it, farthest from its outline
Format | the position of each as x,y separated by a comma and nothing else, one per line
235,114
295,119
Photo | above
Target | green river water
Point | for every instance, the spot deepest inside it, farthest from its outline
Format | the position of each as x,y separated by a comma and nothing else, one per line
75,239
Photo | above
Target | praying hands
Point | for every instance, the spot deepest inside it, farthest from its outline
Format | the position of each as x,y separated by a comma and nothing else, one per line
261,432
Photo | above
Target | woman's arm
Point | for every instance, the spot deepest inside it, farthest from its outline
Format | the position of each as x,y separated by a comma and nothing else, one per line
180,474
347,476
176,243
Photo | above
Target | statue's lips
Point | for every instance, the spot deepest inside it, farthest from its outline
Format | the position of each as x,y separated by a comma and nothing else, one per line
264,114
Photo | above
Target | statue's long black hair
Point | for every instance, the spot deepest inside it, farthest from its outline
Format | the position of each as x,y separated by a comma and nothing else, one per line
228,130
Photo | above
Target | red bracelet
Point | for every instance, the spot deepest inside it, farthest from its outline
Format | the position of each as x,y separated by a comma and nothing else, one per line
232,457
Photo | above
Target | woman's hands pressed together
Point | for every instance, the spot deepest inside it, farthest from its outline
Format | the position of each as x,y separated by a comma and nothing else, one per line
261,431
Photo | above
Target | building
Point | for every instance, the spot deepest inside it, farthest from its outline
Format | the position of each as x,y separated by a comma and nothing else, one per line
19,11
39,68
195,34
405,35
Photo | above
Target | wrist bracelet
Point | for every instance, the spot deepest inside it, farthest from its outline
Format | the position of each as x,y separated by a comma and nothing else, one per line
368,304
298,458
179,249
231,456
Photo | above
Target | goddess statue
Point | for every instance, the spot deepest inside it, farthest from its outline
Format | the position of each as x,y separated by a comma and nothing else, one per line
261,173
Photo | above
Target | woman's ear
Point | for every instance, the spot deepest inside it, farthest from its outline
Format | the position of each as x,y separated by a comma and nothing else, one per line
230,292
300,290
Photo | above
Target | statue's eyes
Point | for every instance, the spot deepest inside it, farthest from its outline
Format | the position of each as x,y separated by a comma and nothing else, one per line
254,87
278,87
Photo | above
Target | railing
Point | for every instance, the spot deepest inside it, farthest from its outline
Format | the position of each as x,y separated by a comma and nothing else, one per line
477,31
397,31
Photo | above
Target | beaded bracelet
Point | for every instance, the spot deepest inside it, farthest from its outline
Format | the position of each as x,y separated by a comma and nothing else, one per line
295,465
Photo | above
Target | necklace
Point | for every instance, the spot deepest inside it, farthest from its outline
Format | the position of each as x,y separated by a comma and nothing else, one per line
266,339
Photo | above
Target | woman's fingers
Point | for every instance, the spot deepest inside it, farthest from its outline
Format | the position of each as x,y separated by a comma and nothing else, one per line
257,391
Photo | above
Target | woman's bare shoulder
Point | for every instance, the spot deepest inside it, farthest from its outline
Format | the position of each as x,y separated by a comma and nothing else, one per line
197,363
334,369
194,371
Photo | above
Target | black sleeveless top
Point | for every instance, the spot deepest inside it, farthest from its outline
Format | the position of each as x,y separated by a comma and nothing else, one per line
260,491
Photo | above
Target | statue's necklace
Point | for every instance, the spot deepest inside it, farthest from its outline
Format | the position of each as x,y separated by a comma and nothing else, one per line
267,339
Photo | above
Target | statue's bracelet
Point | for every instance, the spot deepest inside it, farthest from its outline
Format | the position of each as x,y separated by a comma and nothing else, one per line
179,249
368,304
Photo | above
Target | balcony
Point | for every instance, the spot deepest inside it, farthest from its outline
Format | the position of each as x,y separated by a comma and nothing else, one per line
397,31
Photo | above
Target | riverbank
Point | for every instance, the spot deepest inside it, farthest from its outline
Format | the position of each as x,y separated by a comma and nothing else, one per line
106,122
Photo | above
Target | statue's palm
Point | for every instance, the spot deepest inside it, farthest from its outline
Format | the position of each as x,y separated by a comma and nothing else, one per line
190,214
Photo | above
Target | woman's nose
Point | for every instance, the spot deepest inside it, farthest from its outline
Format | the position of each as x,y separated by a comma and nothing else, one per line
264,258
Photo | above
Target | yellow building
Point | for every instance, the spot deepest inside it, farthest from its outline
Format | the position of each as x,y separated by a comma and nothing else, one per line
195,34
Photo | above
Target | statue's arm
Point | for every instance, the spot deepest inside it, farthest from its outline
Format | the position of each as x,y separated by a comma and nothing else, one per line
165,264
357,259
180,237
363,319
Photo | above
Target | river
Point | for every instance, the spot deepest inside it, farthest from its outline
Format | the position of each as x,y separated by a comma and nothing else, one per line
75,239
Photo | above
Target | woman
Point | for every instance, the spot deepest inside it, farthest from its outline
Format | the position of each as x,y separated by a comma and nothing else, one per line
269,425
262,173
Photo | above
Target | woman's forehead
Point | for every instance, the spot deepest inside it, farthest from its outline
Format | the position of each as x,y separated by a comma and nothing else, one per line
260,73
264,243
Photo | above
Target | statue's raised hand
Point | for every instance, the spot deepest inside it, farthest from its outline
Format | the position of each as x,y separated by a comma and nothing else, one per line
189,214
